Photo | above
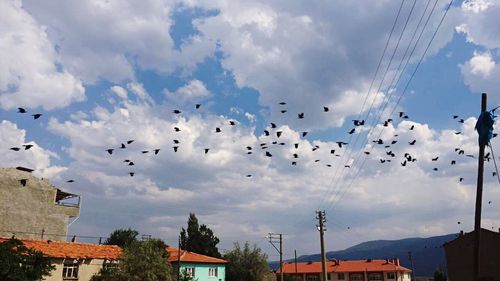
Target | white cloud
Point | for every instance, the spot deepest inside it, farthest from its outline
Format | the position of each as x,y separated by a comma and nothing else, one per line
31,74
480,74
35,158
110,40
193,91
481,64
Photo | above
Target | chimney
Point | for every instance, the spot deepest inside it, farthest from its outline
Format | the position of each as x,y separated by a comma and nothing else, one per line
396,261
73,239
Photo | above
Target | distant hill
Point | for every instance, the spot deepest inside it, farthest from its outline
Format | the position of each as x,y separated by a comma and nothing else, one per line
427,253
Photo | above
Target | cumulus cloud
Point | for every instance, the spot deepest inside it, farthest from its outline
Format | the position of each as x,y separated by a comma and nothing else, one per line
480,73
109,40
31,74
193,91
36,157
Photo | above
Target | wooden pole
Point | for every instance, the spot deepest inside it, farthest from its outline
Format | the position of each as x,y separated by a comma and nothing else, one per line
322,219
479,199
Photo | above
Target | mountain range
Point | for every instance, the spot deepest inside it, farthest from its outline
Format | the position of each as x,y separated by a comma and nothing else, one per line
427,253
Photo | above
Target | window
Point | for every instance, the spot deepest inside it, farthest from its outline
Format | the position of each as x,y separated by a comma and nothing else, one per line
340,276
312,278
390,275
70,270
375,277
190,271
108,265
356,277
212,272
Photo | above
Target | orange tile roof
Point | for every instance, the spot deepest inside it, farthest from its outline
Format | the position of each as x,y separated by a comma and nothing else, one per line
187,256
71,250
344,266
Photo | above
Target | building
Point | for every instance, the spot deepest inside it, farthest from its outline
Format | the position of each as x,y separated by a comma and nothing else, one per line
460,256
202,268
349,270
32,208
74,261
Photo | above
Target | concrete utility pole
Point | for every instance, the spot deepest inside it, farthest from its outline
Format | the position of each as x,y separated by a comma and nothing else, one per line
479,198
321,217
410,257
278,238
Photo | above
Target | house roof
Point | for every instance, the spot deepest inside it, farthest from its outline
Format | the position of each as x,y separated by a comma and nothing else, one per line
344,266
187,256
72,250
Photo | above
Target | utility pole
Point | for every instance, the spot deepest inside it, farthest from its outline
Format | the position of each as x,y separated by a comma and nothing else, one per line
321,217
278,238
296,271
479,198
410,257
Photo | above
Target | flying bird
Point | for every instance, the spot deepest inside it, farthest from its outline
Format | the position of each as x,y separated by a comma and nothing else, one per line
176,111
27,146
273,125
412,142
461,121
301,115
21,110
122,146
268,154
326,109
352,131
131,163
130,141
175,148
461,179
15,148
156,151
131,174
206,150
177,129
232,123
340,143
197,106
70,181
282,103
145,151
36,115
304,134
266,133
435,159
453,162
296,145
110,151
278,133
283,111
403,163
217,130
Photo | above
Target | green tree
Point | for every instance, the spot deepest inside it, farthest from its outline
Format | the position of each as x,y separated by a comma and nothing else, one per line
439,275
247,263
199,238
141,261
19,263
122,237
186,277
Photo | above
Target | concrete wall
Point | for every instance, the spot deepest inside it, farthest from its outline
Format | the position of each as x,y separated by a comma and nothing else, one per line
26,210
201,271
86,269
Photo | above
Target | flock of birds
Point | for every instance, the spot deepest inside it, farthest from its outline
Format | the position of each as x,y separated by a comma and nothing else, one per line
274,134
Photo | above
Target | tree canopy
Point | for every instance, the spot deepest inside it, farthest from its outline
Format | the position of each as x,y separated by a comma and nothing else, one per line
19,263
199,238
141,261
247,263
122,237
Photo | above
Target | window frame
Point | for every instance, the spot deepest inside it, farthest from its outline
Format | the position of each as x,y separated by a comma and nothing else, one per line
392,274
339,275
212,270
70,270
190,271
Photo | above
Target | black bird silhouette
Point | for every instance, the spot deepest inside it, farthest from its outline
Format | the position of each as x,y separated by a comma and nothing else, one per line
176,111
455,116
27,146
294,163
249,176
278,133
461,179
435,159
296,145
489,202
131,174
70,181
122,146
266,133
461,121
329,165
401,114
340,143
326,109
332,151
131,163
268,154
126,160
156,151
304,134
130,141
249,152
21,110
110,151
282,103
177,129
379,141
367,152
249,148
197,105
412,127
15,148
412,142
352,131
458,133
176,141
282,143
36,115
175,148
382,160
435,169
283,111
295,155
347,166
403,163
23,181
145,151
273,125
301,115
232,123
206,150
453,162
217,130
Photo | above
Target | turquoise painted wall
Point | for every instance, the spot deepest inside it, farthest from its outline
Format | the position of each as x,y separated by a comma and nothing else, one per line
201,271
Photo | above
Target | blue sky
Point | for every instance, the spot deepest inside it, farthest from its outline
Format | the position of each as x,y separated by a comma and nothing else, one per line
105,72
